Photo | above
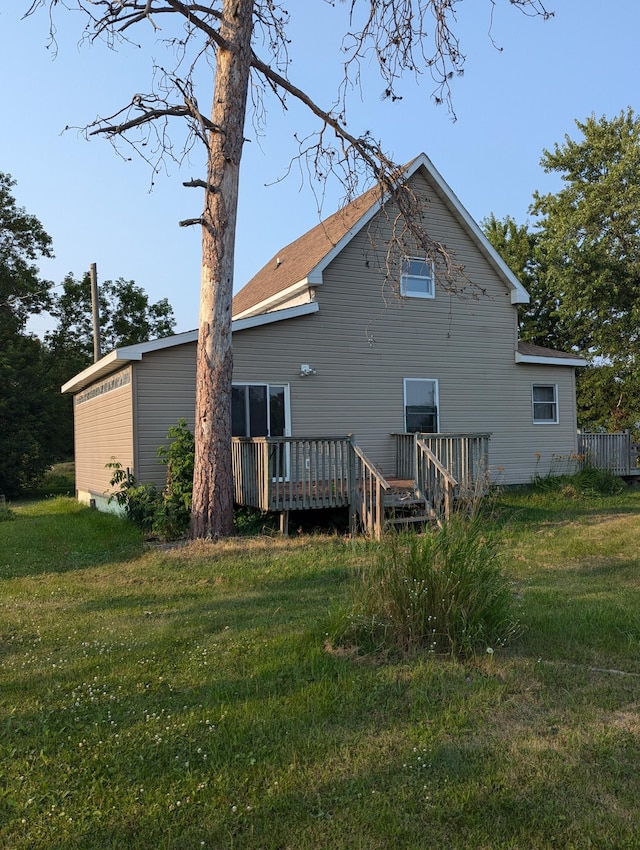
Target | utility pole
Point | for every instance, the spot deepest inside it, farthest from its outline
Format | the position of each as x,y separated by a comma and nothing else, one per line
95,312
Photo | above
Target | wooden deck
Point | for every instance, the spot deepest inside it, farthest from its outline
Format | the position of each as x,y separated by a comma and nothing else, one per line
284,474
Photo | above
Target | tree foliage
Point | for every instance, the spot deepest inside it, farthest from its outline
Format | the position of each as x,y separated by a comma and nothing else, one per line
581,265
29,411
36,423
590,233
22,241
126,318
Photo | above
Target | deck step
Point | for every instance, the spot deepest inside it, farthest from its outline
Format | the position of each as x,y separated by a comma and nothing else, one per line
407,520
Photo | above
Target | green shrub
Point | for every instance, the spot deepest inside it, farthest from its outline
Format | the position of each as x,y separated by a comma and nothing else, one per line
587,481
163,514
442,592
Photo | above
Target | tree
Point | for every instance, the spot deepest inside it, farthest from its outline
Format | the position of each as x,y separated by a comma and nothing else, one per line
126,318
227,34
590,234
29,404
22,241
518,247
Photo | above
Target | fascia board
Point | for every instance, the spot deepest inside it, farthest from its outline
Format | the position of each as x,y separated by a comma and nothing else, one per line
550,361
275,316
271,302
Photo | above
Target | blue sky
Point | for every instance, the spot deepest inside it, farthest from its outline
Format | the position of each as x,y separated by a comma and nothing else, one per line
99,207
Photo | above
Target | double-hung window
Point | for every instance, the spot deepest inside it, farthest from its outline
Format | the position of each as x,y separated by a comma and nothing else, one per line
420,405
417,278
544,400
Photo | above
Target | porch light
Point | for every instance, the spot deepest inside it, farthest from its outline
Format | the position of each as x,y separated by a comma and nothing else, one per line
306,370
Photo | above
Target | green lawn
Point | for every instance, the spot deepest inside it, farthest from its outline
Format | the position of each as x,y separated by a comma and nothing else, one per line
188,697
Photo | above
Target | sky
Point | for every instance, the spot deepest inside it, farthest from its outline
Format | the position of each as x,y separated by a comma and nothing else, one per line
526,82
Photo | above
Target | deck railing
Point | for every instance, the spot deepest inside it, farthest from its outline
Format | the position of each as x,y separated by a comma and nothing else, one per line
464,456
292,473
434,482
367,497
288,473
616,453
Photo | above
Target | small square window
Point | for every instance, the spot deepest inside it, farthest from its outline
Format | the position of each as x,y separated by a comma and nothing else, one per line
545,403
416,279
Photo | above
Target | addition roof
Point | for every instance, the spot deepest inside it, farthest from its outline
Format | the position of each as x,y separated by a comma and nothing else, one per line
529,353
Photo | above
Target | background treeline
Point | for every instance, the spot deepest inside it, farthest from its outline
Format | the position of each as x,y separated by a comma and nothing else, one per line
36,422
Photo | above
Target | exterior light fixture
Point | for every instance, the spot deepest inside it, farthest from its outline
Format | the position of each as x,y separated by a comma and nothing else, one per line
306,370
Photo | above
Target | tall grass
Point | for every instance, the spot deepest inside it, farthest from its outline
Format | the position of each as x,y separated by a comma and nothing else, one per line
443,591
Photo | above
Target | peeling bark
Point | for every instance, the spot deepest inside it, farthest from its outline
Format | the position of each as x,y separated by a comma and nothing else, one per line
212,512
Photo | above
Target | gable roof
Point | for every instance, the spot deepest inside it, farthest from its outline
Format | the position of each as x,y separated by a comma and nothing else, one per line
300,264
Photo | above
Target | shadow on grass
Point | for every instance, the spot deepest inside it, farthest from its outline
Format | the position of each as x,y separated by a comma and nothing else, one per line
59,536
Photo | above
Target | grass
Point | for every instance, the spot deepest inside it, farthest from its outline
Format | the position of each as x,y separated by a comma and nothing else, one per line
186,697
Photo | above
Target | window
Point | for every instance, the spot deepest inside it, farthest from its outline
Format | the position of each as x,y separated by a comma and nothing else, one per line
416,279
420,405
545,403
258,410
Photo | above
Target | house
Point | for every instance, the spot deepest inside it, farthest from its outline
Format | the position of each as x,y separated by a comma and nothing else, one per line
331,338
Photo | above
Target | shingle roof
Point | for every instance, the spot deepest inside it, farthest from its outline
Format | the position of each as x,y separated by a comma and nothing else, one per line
293,263
530,350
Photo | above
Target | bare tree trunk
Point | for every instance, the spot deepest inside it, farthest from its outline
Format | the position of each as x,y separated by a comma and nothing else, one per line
212,512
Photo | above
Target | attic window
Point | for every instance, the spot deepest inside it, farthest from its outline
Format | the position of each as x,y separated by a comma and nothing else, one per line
416,279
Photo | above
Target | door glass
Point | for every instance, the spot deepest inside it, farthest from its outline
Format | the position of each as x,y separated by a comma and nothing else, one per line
276,412
258,411
239,411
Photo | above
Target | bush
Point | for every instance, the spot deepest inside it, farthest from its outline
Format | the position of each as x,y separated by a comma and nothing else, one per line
588,481
442,592
163,514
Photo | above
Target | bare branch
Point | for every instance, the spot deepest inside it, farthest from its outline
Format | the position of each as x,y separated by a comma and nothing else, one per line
199,184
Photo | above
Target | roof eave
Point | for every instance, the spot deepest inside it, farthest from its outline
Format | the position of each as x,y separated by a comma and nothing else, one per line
550,361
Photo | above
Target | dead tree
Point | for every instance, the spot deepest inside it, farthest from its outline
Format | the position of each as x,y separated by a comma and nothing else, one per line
403,35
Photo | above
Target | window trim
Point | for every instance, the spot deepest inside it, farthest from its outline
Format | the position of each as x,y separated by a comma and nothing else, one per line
436,398
406,277
554,402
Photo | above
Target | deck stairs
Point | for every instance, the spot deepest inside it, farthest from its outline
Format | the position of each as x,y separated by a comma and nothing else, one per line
404,508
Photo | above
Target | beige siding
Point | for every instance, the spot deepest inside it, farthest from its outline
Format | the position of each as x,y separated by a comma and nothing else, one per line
365,340
165,393
103,424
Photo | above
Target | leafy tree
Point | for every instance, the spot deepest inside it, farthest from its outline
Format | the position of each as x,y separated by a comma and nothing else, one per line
227,36
35,428
30,407
590,234
519,247
126,318
22,241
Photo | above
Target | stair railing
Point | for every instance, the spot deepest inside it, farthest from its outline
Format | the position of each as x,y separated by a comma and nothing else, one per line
368,489
434,483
